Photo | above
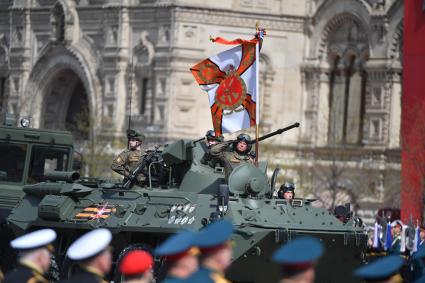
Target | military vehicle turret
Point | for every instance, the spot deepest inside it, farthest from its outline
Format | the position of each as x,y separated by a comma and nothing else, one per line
181,192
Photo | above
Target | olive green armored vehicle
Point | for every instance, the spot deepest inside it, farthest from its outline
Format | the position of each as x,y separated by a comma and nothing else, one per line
183,192
26,155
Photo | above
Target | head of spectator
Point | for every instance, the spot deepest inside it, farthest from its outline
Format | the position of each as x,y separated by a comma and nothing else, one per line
298,258
35,249
137,267
92,251
215,245
384,270
422,233
180,254
396,228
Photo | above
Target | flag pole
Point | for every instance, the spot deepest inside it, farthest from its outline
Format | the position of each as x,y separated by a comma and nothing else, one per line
256,144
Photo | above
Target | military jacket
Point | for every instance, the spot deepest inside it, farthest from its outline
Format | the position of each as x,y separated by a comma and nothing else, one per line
25,274
207,275
86,275
172,279
229,159
126,161
395,245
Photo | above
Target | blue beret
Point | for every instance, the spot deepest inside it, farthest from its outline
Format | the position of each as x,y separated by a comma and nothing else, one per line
380,269
301,250
420,253
214,234
176,244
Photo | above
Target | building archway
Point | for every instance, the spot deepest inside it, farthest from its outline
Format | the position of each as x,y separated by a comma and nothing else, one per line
65,105
63,88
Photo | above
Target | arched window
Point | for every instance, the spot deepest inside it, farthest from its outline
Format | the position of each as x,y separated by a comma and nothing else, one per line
347,52
57,22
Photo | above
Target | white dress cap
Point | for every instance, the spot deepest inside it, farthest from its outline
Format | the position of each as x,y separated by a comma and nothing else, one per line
89,244
34,240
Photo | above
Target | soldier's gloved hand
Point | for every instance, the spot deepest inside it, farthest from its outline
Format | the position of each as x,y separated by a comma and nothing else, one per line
141,179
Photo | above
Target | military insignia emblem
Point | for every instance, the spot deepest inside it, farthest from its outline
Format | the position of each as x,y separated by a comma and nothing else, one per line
231,92
95,212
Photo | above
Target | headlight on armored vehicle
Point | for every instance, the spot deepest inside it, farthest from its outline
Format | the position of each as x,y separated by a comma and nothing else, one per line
25,122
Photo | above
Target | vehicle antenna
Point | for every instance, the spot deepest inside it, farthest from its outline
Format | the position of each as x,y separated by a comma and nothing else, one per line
130,91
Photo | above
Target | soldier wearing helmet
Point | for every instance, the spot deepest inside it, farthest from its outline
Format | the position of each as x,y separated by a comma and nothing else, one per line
286,191
127,160
211,138
233,153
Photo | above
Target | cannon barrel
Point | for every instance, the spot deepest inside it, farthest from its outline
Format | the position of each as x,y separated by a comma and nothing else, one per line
277,132
65,176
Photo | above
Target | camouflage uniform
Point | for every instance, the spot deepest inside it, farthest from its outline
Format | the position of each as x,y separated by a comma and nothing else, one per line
127,160
229,159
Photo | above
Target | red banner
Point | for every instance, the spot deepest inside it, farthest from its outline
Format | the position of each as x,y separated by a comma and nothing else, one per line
413,112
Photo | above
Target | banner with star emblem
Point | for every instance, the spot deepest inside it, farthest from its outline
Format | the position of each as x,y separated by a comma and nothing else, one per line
230,79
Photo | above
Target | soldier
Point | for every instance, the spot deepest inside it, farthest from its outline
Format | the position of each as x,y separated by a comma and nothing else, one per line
384,270
237,154
298,258
35,252
396,230
127,160
136,267
94,256
180,255
286,191
212,139
216,253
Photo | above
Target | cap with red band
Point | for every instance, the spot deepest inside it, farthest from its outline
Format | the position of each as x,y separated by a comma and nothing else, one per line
299,254
214,237
178,246
136,262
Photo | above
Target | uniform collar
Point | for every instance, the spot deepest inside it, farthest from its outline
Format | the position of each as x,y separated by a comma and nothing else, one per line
94,271
31,266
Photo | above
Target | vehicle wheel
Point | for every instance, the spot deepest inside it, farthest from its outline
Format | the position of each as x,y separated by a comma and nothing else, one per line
133,247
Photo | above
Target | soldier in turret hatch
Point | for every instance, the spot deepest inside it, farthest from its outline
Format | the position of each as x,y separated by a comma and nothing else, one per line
210,140
233,153
286,191
127,160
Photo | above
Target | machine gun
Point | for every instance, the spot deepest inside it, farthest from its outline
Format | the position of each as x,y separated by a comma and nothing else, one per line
132,178
277,132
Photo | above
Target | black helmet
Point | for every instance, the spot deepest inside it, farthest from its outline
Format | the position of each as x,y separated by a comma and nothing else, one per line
210,135
245,138
286,187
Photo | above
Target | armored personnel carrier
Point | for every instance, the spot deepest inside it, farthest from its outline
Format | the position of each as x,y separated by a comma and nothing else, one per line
183,192
27,154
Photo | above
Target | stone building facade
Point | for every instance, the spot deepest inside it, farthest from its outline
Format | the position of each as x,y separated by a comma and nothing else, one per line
333,65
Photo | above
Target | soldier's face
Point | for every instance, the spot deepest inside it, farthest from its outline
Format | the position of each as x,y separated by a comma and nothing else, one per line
134,143
241,146
288,195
